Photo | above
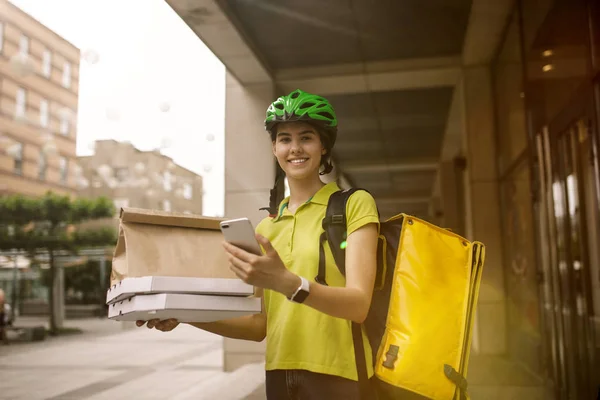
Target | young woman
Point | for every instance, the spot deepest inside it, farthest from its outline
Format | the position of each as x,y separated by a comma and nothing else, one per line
307,325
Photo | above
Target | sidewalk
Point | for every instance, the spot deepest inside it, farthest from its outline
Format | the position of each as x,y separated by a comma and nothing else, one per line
88,326
108,362
92,326
114,360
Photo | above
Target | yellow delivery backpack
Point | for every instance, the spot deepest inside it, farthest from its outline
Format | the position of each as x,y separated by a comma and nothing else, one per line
421,317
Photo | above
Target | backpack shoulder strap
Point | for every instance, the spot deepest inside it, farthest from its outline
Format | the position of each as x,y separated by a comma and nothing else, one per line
334,227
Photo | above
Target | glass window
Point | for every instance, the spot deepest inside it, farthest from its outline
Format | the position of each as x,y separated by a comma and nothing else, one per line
187,191
66,77
167,181
44,116
64,125
24,45
20,102
18,157
42,165
47,63
595,20
64,169
510,102
121,173
521,269
556,36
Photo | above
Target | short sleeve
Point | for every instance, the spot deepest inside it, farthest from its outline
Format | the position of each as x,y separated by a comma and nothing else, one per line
260,228
360,211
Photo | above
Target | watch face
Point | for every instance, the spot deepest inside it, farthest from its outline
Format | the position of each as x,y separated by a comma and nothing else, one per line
301,296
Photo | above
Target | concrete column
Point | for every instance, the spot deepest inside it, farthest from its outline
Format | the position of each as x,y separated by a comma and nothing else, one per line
249,176
449,199
482,207
249,160
436,215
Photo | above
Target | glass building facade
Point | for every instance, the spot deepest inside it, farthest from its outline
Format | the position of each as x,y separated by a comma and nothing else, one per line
546,77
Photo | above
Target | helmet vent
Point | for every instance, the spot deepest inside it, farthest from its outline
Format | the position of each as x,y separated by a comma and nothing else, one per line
322,105
326,115
306,105
279,106
295,95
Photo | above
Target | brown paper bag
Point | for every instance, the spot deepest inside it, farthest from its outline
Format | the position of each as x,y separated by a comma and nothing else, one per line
158,243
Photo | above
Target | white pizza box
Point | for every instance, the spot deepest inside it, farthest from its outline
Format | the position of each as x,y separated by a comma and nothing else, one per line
129,287
183,307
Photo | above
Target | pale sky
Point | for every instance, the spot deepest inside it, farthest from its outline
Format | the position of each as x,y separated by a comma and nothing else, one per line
147,56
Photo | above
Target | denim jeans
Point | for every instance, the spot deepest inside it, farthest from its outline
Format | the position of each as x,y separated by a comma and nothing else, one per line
299,384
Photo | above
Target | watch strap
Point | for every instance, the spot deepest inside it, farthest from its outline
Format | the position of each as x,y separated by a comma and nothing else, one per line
302,292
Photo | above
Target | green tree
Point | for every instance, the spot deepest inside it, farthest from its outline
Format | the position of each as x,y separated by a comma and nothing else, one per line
85,280
48,224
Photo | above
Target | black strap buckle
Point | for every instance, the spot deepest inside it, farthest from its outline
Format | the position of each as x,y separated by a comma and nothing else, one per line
337,219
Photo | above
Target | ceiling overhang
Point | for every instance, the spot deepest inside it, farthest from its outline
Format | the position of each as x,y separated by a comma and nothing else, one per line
221,34
372,76
235,31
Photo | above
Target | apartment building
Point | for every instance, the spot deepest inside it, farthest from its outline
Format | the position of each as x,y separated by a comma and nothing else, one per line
135,178
39,74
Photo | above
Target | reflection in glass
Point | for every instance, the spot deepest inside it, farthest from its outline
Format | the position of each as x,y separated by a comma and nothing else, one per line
556,34
521,277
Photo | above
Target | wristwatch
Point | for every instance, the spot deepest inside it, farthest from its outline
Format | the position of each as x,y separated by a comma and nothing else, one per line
302,292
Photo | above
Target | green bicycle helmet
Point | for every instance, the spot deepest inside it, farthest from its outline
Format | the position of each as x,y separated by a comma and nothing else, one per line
307,107
304,106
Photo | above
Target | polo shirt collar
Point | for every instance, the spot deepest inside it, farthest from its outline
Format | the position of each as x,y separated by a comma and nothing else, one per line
321,197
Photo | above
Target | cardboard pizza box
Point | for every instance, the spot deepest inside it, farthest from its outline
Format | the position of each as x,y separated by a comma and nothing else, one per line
130,287
183,307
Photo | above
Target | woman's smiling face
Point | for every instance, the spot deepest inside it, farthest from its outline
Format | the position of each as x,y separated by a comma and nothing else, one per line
298,149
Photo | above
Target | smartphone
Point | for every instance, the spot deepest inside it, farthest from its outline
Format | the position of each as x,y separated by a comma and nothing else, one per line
239,232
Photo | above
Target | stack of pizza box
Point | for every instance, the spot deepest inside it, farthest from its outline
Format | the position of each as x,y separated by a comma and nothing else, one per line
169,265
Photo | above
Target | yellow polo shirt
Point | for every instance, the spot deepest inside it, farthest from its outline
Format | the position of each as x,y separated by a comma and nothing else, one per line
298,336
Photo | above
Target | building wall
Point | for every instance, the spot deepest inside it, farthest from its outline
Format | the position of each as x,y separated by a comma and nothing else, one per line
60,96
130,185
547,99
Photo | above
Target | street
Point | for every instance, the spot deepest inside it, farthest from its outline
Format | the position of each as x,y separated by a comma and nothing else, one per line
108,362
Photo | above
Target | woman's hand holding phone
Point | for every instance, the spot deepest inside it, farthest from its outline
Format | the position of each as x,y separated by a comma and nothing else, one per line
266,271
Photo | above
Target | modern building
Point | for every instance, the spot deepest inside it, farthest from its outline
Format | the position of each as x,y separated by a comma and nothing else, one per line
39,75
135,178
481,116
